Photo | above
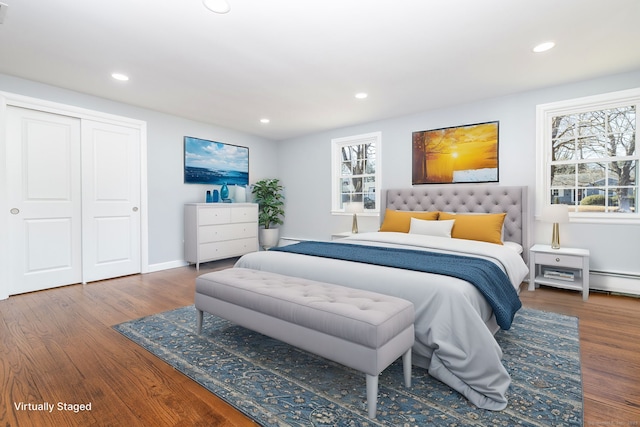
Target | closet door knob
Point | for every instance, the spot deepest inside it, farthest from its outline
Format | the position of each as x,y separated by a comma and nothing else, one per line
15,211
135,209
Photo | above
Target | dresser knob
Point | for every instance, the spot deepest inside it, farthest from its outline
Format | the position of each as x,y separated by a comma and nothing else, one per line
557,259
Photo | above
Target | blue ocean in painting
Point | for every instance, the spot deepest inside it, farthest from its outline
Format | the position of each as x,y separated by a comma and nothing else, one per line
212,162
195,175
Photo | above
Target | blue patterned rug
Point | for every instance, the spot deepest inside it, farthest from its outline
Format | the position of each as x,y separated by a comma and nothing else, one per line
278,385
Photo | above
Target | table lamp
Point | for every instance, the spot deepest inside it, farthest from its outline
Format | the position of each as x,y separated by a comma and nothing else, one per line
355,208
555,214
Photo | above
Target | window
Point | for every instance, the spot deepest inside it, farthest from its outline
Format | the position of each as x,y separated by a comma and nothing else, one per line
355,172
587,156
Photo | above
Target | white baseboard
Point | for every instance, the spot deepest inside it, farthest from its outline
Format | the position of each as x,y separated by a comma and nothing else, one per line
167,265
618,283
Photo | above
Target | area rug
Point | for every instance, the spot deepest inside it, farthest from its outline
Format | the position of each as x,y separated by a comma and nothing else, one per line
278,385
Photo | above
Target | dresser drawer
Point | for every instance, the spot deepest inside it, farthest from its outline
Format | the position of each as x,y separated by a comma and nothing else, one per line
560,260
242,246
226,249
219,233
244,214
208,216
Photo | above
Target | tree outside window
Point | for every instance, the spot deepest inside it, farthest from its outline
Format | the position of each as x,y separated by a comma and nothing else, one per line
355,171
594,165
591,160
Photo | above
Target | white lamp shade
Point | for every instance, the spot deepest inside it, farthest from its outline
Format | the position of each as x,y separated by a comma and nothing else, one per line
354,207
555,213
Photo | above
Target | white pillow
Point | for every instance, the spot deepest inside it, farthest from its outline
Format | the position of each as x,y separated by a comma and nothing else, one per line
515,246
431,228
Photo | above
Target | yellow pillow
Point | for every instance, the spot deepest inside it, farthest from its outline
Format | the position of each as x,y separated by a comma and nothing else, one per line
400,221
483,227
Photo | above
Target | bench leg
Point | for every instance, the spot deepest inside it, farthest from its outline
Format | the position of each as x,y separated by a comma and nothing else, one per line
406,367
199,321
372,394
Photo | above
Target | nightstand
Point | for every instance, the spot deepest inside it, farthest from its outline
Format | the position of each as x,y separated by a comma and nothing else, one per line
566,268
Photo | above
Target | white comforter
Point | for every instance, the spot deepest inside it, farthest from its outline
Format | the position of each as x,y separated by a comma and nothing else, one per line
454,324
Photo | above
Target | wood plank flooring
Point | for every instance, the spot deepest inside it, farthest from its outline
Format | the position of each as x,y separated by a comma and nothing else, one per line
609,351
58,346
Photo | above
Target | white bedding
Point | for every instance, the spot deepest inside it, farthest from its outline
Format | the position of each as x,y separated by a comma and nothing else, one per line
454,323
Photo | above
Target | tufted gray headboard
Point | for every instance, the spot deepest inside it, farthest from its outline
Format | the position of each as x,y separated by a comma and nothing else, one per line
479,199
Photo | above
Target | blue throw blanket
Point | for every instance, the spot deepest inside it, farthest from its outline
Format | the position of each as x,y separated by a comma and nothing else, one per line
487,277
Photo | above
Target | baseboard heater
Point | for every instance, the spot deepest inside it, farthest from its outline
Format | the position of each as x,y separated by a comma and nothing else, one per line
615,282
633,276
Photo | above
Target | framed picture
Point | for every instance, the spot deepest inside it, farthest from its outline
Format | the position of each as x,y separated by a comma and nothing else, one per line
460,154
211,162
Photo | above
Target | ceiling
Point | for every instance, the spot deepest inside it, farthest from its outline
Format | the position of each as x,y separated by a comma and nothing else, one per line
299,63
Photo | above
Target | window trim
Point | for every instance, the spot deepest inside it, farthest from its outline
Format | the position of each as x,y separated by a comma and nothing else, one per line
336,146
544,114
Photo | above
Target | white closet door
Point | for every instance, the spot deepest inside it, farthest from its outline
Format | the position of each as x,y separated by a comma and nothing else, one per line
43,186
110,201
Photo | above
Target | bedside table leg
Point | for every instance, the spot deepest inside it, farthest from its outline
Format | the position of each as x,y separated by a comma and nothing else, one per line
585,278
532,279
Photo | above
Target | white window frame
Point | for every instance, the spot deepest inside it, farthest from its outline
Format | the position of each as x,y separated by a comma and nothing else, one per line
544,116
336,161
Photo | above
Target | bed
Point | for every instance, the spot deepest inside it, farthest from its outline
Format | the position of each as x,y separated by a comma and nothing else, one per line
455,320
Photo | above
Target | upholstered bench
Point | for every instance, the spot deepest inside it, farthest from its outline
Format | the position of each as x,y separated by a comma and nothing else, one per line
363,330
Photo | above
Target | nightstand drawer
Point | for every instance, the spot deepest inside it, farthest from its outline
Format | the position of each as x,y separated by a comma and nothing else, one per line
561,260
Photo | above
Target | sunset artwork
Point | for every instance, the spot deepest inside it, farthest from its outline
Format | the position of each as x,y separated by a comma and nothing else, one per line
457,154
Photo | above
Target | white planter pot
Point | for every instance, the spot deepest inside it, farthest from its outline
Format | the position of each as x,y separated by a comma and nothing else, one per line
269,237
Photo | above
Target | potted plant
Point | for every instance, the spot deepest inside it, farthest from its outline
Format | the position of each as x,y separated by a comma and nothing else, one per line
268,194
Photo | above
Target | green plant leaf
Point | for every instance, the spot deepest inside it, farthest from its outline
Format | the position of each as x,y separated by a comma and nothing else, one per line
268,194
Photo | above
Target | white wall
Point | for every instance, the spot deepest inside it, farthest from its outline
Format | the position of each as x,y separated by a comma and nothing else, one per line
305,168
167,192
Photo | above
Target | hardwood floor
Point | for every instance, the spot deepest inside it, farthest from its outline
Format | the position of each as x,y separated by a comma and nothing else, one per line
609,328
58,346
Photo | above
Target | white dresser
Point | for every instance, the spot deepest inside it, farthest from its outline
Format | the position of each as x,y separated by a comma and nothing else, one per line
219,230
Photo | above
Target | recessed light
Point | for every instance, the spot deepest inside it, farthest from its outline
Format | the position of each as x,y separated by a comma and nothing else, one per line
217,6
361,95
543,47
120,76
264,121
